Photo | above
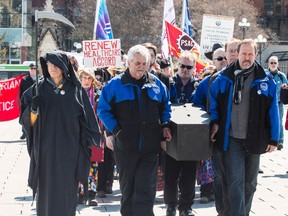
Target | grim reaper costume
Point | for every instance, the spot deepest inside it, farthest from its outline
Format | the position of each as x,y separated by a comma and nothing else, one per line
59,141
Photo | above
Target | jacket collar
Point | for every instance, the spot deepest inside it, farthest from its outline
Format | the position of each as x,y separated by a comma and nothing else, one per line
259,72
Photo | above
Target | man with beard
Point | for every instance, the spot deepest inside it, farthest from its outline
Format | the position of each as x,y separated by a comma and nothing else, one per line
135,109
245,124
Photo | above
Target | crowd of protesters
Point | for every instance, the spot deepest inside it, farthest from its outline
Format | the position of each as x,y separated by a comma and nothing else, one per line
116,121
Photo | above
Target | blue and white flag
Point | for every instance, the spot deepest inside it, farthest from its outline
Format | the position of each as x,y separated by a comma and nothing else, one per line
186,24
102,25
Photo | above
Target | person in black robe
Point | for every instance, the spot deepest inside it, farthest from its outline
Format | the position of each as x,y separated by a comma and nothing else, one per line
26,83
61,127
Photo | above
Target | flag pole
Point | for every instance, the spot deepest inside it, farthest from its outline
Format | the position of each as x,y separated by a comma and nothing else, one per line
96,18
172,65
183,14
36,51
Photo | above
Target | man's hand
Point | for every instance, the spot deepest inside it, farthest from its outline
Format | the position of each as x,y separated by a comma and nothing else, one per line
271,148
167,134
214,131
284,86
110,140
163,145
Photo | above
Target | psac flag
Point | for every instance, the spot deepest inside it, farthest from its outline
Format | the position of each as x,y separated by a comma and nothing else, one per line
9,98
179,41
102,25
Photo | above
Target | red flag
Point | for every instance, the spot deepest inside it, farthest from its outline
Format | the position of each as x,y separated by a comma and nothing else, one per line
9,98
179,41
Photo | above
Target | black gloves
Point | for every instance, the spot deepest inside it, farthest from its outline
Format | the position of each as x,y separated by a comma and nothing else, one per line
36,101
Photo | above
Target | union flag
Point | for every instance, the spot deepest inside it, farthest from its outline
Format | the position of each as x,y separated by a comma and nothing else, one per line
175,45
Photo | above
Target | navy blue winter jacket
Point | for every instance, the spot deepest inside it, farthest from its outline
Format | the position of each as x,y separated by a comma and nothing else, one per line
200,95
180,94
263,119
135,114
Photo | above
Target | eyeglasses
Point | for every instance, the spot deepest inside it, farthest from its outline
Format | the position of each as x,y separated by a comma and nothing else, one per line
273,62
220,58
189,67
33,68
232,50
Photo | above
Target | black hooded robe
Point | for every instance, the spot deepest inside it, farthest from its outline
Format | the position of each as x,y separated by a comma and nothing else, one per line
59,144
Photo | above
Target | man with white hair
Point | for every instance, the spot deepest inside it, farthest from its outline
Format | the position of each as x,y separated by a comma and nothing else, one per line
135,109
281,82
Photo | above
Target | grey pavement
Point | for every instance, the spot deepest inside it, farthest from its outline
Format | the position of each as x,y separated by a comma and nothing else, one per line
271,197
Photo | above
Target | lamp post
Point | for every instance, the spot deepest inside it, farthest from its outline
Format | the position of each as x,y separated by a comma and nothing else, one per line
78,47
244,26
261,41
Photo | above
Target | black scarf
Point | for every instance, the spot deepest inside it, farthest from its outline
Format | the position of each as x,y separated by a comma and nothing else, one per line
239,77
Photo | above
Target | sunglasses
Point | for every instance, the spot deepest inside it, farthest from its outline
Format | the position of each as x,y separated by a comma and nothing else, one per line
273,63
33,68
189,67
220,58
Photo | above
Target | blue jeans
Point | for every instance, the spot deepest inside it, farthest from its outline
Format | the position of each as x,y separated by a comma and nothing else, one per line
241,171
281,114
220,183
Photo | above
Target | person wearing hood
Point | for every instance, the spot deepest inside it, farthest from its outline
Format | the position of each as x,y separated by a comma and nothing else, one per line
61,127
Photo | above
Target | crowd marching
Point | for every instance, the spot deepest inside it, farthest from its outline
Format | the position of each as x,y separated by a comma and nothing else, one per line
85,127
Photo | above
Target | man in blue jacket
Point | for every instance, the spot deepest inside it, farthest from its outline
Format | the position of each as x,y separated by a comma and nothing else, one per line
281,81
135,109
245,123
179,190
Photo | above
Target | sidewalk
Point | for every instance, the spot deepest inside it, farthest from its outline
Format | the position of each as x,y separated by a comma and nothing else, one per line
271,197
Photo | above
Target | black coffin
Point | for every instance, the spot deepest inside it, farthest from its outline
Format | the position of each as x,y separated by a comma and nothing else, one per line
190,130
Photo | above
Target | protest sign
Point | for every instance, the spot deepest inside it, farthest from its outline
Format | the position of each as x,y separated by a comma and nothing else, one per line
9,98
102,53
215,29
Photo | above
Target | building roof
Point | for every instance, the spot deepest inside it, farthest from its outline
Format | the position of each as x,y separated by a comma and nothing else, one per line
282,56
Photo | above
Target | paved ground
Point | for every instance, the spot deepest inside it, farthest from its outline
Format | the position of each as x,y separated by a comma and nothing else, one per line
270,199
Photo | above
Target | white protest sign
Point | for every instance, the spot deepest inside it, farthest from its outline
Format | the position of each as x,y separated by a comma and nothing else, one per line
215,29
102,53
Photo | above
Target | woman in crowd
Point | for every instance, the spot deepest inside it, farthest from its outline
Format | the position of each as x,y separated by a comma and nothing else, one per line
90,84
